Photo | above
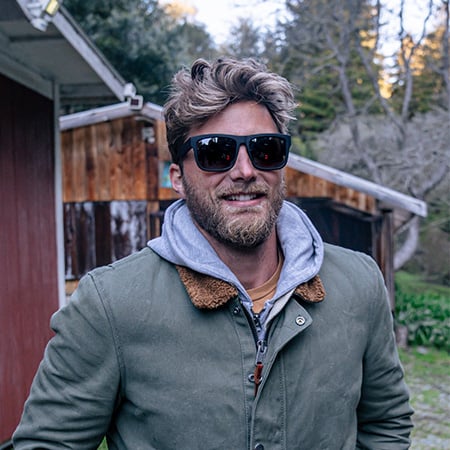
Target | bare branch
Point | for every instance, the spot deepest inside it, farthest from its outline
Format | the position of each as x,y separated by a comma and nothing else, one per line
409,246
373,77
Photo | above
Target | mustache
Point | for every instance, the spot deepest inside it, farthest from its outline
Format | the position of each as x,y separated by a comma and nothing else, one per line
243,188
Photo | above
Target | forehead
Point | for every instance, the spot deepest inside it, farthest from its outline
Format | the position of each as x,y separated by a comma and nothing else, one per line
241,118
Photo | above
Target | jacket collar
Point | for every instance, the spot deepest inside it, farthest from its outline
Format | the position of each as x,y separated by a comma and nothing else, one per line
207,292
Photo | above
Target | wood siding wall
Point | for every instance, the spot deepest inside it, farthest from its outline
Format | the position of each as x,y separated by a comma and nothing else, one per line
301,184
98,233
116,160
28,261
112,190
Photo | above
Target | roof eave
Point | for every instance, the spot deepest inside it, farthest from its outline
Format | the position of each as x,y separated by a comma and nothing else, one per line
385,195
107,113
89,52
110,84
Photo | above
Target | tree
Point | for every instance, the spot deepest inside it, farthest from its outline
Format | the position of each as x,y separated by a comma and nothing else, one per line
320,56
196,43
245,40
429,74
418,169
141,40
336,45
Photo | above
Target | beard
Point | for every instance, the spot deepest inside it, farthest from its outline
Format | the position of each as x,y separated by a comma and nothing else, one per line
236,227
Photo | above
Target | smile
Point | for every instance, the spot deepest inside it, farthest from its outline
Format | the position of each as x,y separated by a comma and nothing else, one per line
242,197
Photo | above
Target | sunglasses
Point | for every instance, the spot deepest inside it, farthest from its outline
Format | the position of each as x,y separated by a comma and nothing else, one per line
219,152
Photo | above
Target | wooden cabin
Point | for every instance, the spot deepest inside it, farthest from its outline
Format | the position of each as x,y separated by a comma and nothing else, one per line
116,188
351,211
46,63
115,183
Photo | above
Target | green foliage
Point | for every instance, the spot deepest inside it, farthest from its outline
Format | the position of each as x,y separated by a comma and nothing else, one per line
320,52
424,311
244,41
427,71
316,112
144,43
103,445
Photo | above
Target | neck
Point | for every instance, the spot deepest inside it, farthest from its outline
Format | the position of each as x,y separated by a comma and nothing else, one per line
252,266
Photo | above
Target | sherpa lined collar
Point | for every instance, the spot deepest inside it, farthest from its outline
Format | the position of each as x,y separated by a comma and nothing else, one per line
210,293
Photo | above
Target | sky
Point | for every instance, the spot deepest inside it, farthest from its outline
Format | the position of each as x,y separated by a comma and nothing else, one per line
219,16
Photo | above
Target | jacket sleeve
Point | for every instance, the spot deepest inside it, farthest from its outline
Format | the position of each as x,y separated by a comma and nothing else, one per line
74,391
384,413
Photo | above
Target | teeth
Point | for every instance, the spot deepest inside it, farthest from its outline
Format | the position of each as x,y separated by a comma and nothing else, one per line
242,197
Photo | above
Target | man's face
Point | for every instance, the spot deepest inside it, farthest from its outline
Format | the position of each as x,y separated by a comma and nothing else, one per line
238,207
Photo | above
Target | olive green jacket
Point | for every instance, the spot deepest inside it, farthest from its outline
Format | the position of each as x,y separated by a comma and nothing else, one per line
137,358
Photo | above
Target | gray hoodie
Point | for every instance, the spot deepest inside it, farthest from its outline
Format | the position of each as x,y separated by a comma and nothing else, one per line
182,243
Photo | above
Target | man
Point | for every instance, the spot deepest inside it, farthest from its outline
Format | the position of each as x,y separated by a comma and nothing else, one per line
237,328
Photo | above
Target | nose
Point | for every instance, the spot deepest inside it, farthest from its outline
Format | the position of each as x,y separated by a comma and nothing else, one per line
243,168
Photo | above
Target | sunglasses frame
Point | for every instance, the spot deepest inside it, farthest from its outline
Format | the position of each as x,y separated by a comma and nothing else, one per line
239,140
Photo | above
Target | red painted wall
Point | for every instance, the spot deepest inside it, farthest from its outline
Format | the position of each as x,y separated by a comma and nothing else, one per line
28,254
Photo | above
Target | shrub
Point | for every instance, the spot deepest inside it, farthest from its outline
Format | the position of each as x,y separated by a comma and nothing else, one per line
426,316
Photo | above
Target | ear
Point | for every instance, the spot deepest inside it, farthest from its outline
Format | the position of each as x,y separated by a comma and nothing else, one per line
176,177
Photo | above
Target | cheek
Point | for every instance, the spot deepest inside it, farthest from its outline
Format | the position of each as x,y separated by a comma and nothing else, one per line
199,180
274,179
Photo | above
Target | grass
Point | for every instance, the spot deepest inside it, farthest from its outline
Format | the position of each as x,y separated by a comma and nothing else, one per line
426,363
427,373
412,284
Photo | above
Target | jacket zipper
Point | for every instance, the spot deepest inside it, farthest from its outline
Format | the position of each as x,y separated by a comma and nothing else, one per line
261,347
259,363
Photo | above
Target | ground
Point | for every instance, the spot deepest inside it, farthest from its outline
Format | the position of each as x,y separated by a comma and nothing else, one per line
427,373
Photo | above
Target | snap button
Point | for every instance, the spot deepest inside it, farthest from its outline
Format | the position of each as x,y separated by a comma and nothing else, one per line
259,447
251,377
300,320
236,310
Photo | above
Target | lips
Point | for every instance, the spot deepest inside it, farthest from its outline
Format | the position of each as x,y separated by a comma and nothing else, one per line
243,193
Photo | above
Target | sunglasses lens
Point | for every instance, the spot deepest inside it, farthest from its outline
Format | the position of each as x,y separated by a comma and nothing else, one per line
268,152
216,153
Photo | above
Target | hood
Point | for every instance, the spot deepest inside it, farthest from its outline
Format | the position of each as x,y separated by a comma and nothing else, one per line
182,244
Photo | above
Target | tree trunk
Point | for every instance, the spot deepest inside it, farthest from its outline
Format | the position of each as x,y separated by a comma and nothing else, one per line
409,246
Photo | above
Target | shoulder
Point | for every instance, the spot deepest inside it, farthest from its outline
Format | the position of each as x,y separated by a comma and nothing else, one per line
351,275
128,279
142,265
127,288
131,263
346,260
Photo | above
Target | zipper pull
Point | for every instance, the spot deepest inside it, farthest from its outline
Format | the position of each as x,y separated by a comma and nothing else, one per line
259,363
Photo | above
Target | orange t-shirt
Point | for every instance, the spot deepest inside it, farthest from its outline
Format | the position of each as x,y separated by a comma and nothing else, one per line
266,291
